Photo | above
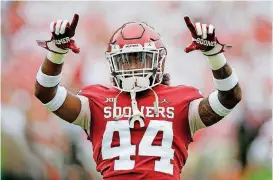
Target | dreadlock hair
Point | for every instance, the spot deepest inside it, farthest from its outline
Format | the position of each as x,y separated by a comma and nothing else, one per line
166,79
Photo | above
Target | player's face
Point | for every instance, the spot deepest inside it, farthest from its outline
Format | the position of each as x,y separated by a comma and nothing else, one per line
134,61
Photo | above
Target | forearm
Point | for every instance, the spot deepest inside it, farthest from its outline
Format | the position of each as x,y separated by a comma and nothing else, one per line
46,94
232,97
228,98
51,68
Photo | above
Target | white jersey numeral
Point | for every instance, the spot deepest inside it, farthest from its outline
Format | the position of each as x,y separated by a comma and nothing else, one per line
164,151
126,149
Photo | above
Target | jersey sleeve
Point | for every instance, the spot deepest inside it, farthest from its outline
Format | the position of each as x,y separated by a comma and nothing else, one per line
194,96
87,96
84,117
195,121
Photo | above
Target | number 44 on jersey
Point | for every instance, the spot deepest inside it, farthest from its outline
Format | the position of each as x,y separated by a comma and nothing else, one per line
126,149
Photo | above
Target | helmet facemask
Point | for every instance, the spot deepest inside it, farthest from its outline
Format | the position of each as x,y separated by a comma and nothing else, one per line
136,68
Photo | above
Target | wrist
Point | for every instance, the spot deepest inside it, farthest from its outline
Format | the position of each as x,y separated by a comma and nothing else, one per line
217,61
218,48
56,54
55,58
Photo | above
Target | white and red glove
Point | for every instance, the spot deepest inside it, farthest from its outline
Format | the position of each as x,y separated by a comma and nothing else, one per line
204,39
62,32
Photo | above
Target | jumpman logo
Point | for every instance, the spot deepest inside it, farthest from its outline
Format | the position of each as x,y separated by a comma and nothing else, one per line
164,101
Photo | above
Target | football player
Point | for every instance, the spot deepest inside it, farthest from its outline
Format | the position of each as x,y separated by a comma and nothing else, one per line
140,128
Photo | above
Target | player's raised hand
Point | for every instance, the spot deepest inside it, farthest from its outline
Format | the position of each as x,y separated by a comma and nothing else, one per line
62,32
204,39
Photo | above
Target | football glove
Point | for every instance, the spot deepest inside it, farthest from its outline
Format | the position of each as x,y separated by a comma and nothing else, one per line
61,41
204,39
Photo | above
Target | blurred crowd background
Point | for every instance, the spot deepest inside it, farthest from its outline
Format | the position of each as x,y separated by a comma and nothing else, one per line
238,147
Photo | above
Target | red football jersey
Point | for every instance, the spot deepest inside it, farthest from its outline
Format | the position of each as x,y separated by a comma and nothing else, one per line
156,151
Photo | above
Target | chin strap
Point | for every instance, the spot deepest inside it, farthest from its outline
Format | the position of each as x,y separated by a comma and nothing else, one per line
137,114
